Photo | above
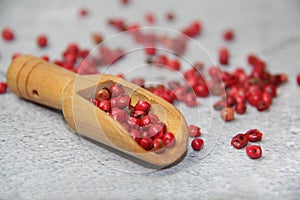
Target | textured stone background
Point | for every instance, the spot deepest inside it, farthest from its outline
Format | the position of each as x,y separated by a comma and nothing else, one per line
41,159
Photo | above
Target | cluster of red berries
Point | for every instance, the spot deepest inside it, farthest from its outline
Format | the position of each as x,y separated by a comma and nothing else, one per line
143,126
241,140
257,88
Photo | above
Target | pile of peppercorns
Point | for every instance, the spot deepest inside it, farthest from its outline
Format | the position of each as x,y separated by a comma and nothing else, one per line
237,89
143,126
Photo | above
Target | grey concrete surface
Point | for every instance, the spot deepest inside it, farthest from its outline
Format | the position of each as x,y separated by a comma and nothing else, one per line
40,158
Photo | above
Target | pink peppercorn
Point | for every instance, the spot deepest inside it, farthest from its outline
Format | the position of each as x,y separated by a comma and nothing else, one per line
254,151
142,106
190,100
194,131
150,18
3,87
150,50
116,90
169,139
145,121
298,79
83,12
197,144
8,34
146,143
173,65
158,145
118,114
224,56
228,35
123,101
42,41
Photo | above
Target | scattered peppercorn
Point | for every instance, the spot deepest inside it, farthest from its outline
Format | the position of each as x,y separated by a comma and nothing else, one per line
227,114
3,87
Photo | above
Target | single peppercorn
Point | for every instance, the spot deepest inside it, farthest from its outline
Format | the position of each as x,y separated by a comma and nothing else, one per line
194,131
228,35
7,34
42,40
239,141
254,151
224,56
227,114
254,135
97,38
197,144
3,87
169,139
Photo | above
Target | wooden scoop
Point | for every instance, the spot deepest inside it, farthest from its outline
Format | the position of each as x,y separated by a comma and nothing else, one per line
45,83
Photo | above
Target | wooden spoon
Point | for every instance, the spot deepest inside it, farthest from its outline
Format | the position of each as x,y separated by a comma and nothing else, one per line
45,83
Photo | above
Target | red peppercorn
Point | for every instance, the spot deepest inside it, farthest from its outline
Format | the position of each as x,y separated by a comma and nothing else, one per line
42,41
228,35
123,101
169,139
104,105
155,129
45,57
254,151
15,55
83,12
267,98
224,56
146,143
170,16
252,59
133,122
271,89
116,90
219,105
158,146
254,97
150,18
142,106
298,79
7,34
240,108
197,144
190,99
254,135
3,87
193,29
201,90
262,105
239,141
194,131
145,121
124,2
227,114
161,60
173,65
150,50
118,114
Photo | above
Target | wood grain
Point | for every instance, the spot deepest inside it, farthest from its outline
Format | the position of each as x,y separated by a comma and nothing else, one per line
36,80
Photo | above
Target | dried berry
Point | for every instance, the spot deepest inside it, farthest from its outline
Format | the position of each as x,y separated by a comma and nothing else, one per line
197,144
254,151
227,114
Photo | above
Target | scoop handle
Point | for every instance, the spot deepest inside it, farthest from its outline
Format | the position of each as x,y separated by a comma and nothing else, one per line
37,80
